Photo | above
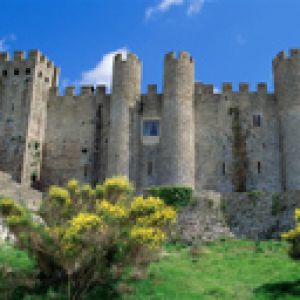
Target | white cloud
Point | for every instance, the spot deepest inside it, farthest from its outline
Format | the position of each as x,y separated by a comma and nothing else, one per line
102,72
162,6
5,40
3,46
192,7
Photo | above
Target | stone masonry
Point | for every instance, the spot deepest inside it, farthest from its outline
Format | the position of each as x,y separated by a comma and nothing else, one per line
232,141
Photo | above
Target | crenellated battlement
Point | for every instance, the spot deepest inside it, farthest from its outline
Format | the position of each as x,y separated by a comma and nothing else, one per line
244,87
85,90
152,89
127,58
292,54
182,56
20,56
227,87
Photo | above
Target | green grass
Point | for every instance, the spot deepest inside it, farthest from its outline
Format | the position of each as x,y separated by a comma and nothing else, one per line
229,269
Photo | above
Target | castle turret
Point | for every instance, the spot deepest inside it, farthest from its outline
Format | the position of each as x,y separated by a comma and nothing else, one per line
126,90
177,140
287,92
24,87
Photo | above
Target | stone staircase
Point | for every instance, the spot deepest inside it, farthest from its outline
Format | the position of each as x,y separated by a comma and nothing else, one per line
202,220
25,195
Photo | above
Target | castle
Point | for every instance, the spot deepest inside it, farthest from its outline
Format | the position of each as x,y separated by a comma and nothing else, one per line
189,135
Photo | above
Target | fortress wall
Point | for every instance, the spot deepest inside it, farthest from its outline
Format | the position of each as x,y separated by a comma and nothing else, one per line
212,140
225,158
262,142
252,215
149,151
69,147
101,135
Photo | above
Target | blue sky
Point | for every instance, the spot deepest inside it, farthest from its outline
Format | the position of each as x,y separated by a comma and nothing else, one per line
230,40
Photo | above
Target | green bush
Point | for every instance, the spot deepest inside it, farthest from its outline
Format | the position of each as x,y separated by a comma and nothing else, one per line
177,196
17,270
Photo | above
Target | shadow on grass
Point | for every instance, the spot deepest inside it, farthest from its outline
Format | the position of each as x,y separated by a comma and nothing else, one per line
279,290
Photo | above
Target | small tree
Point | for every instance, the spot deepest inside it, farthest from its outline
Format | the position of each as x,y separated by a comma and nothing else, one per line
293,237
87,236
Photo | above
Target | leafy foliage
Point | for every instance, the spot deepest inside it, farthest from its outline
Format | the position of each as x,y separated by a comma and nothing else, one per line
16,270
293,237
90,237
176,196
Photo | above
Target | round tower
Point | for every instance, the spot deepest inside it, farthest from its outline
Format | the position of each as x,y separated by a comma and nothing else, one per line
177,133
286,71
126,89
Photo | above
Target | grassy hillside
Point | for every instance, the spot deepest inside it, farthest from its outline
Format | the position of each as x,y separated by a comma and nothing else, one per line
230,269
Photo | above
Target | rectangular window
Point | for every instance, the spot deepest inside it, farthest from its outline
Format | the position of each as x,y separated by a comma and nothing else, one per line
256,120
223,169
149,168
27,71
151,128
258,167
16,72
4,73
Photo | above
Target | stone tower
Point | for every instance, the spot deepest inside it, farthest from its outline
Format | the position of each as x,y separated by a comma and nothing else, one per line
287,92
24,87
126,90
178,142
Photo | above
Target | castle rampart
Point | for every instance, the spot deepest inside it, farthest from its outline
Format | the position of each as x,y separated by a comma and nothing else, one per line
237,139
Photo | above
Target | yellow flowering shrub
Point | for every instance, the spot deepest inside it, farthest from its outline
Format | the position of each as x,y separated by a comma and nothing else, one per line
150,236
78,227
10,207
293,237
117,187
72,185
60,195
159,218
144,206
87,192
83,228
113,211
99,191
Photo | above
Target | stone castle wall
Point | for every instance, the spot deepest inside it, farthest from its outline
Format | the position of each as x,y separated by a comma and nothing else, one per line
224,141
252,215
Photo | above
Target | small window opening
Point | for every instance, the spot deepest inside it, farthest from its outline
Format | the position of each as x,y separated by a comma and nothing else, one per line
258,167
40,74
224,169
257,120
36,145
12,107
28,71
149,168
46,79
85,171
16,72
151,128
141,108
84,150
4,73
33,178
